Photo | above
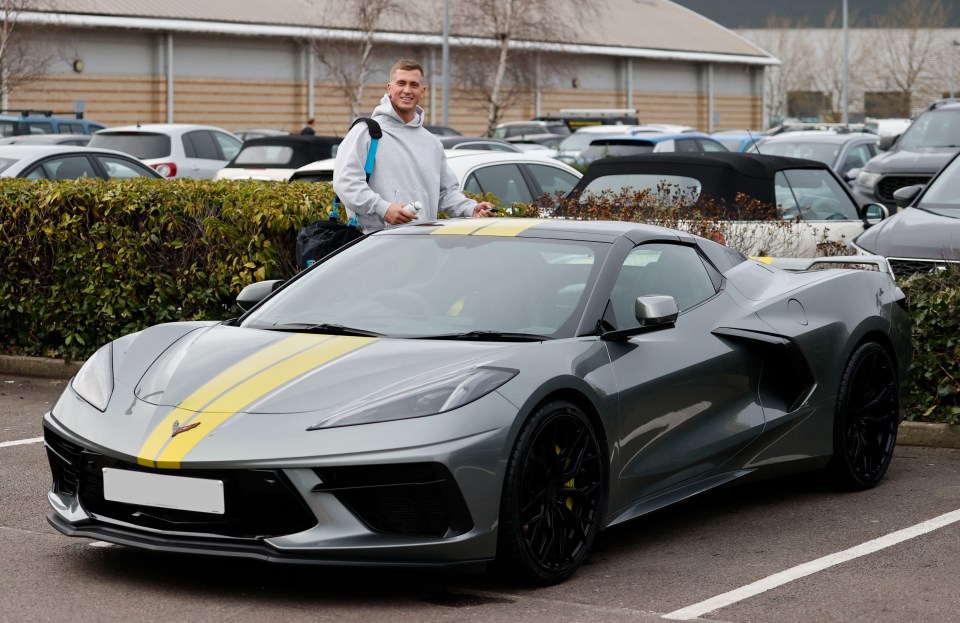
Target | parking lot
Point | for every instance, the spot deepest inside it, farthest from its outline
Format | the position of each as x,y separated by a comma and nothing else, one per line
786,550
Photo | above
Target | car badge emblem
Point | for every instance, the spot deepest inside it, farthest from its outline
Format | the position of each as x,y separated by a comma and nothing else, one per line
177,429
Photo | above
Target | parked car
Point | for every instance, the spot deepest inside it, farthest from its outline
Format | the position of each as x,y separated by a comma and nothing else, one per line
913,158
478,143
804,190
845,152
173,149
739,140
478,390
546,141
512,177
510,129
442,130
69,162
47,139
258,133
571,146
646,143
277,157
925,235
27,122
887,127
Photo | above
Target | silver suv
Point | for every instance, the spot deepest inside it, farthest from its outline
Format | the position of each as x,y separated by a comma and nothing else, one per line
173,149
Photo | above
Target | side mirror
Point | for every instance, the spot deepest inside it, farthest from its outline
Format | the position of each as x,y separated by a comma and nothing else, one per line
873,213
256,292
886,142
905,196
653,312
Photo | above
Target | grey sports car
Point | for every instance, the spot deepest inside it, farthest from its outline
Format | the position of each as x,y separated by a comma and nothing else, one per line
476,391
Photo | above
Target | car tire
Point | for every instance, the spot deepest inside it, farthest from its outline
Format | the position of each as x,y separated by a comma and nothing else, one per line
552,498
866,420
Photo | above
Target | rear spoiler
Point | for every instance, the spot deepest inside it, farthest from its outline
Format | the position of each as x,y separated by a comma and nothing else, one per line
861,262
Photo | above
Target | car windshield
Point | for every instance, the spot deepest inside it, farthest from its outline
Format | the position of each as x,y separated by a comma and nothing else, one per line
264,155
933,129
418,286
579,140
810,150
143,145
613,148
943,194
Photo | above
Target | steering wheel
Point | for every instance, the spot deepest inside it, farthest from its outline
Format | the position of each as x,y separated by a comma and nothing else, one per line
409,303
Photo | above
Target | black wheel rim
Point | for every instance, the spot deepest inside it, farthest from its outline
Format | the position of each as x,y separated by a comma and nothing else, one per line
559,496
871,415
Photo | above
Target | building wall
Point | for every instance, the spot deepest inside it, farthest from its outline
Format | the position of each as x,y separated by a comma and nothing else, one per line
239,83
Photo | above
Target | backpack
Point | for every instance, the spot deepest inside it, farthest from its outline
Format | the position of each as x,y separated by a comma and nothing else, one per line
321,238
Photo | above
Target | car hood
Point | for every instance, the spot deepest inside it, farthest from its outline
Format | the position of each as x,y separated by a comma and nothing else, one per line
222,369
914,233
927,161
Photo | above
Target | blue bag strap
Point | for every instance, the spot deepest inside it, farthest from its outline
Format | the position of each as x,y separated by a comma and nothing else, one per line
375,135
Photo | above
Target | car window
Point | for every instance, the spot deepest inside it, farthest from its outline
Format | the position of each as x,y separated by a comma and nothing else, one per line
612,147
813,195
200,144
857,156
707,144
229,146
264,154
39,127
935,128
945,189
62,168
66,127
553,180
673,189
821,152
120,169
6,162
658,268
142,145
687,145
503,180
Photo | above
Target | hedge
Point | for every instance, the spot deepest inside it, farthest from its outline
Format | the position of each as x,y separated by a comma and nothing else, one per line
91,260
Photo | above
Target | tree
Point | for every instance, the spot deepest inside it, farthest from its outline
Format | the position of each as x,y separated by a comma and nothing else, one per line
502,72
349,62
24,58
905,45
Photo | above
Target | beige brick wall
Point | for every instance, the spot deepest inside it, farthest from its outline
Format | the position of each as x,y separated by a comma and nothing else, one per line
238,104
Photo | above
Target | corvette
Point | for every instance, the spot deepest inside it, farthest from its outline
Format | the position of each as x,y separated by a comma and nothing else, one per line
480,391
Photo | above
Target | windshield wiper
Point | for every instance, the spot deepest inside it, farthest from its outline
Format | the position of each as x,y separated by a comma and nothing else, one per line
324,327
492,336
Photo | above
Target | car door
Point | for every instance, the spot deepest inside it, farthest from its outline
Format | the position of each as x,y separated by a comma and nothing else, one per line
826,213
504,180
204,154
688,401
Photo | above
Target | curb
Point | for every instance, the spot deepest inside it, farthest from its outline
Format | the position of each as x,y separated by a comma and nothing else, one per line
910,433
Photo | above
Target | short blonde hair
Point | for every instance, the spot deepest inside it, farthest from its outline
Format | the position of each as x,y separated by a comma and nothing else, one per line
406,65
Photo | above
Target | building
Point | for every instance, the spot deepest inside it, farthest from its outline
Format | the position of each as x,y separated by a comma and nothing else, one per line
244,64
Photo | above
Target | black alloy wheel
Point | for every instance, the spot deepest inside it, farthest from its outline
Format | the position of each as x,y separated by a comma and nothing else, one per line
867,417
552,496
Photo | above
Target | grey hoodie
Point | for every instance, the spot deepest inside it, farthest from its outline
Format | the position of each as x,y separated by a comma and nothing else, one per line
410,166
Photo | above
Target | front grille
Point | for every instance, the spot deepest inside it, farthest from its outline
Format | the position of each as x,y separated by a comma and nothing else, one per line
904,267
891,183
64,458
406,498
259,503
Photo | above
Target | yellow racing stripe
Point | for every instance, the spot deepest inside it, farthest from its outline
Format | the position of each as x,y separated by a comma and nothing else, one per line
508,227
237,388
462,228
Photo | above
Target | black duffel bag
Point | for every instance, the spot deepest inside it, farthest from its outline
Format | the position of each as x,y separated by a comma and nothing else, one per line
321,238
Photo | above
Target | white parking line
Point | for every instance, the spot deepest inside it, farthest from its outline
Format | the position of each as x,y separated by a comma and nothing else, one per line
809,568
20,442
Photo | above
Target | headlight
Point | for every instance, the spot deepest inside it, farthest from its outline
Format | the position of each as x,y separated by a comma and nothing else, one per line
435,396
868,179
94,381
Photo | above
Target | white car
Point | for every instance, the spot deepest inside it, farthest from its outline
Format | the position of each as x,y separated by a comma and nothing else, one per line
69,162
173,149
512,177
277,157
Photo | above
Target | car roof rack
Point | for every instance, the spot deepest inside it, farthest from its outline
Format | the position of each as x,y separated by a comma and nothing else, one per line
27,112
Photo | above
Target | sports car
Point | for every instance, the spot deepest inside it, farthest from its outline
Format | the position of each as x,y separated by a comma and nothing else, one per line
474,391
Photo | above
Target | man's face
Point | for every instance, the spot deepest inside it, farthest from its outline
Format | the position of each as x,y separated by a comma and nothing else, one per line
405,89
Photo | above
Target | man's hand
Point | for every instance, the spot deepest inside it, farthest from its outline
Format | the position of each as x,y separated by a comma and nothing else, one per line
396,215
484,208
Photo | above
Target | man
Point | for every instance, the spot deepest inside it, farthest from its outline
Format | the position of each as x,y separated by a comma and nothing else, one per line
308,129
410,163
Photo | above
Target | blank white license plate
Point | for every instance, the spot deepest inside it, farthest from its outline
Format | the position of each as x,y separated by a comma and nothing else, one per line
187,494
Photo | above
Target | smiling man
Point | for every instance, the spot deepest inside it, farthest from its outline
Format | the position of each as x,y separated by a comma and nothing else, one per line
410,163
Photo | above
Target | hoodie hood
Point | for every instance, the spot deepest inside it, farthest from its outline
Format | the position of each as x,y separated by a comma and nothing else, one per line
387,116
